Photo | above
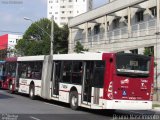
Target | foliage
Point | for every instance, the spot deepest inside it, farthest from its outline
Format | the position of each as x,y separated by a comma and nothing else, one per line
148,52
79,48
36,41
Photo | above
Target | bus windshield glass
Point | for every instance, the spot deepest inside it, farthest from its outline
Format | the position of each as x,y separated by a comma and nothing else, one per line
132,65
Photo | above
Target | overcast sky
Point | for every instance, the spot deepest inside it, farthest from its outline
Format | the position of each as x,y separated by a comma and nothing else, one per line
12,13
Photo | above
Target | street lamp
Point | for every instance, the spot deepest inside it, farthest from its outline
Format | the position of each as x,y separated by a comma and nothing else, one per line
157,34
50,36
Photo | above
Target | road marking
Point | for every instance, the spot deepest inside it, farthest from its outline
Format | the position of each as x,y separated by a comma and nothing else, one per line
34,118
54,105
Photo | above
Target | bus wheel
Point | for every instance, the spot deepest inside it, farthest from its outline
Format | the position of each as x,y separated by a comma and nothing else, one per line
10,87
32,92
74,100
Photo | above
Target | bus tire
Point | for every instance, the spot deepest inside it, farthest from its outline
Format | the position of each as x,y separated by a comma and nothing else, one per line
73,100
32,92
10,87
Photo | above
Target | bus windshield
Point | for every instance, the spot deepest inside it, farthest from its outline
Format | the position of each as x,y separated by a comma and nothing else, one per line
132,65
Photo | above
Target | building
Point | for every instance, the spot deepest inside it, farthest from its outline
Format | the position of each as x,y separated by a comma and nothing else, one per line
7,44
63,10
130,26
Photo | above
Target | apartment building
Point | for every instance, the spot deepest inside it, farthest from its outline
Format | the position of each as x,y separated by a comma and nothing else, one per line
8,43
63,10
129,26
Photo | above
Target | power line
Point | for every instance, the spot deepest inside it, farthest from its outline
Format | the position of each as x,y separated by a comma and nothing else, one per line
8,31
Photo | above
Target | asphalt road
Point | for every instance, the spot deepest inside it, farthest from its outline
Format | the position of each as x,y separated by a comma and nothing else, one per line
20,107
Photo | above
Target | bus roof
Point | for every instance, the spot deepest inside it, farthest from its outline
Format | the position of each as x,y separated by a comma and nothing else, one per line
31,58
73,56
11,59
81,56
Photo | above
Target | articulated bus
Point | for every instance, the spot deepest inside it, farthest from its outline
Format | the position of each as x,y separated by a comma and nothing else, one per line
90,80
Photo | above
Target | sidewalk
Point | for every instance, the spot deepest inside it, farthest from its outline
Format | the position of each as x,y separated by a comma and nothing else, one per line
156,105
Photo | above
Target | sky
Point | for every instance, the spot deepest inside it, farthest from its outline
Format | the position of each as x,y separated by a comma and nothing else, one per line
12,13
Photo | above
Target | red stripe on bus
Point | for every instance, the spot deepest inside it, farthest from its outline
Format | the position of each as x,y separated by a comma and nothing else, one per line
64,90
28,85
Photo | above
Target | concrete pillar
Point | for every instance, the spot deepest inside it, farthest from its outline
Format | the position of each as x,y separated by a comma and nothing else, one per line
86,31
158,14
105,27
70,46
129,21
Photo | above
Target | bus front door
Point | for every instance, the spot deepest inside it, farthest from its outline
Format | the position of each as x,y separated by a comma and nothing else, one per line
56,78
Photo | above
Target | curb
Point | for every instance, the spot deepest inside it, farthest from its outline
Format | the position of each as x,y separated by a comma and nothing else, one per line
156,109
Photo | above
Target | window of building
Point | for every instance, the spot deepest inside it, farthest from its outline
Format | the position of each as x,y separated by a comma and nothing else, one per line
70,6
126,20
96,29
70,0
16,40
108,26
134,51
63,18
154,11
62,6
63,12
56,1
89,31
139,16
56,12
116,23
70,18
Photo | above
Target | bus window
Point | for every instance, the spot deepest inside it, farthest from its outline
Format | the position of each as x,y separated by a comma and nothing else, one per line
31,70
36,70
98,76
77,72
66,74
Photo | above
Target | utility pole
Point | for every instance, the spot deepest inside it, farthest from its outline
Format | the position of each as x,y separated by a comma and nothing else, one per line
52,35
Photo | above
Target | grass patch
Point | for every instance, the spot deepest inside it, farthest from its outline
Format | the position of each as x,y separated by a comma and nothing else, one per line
156,105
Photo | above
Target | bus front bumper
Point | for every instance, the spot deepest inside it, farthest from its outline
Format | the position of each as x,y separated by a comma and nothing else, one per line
127,104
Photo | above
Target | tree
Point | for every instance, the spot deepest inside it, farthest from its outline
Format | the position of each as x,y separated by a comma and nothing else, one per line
37,42
79,48
148,51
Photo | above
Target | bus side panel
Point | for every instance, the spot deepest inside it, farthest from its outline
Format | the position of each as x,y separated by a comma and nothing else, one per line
108,77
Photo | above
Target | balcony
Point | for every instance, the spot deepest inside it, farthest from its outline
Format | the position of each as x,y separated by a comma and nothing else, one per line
142,29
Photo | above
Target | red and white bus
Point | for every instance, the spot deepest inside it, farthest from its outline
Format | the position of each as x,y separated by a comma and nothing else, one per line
2,70
90,80
9,73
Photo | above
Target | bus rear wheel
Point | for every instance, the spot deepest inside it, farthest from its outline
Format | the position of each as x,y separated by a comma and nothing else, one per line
32,92
10,87
74,100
